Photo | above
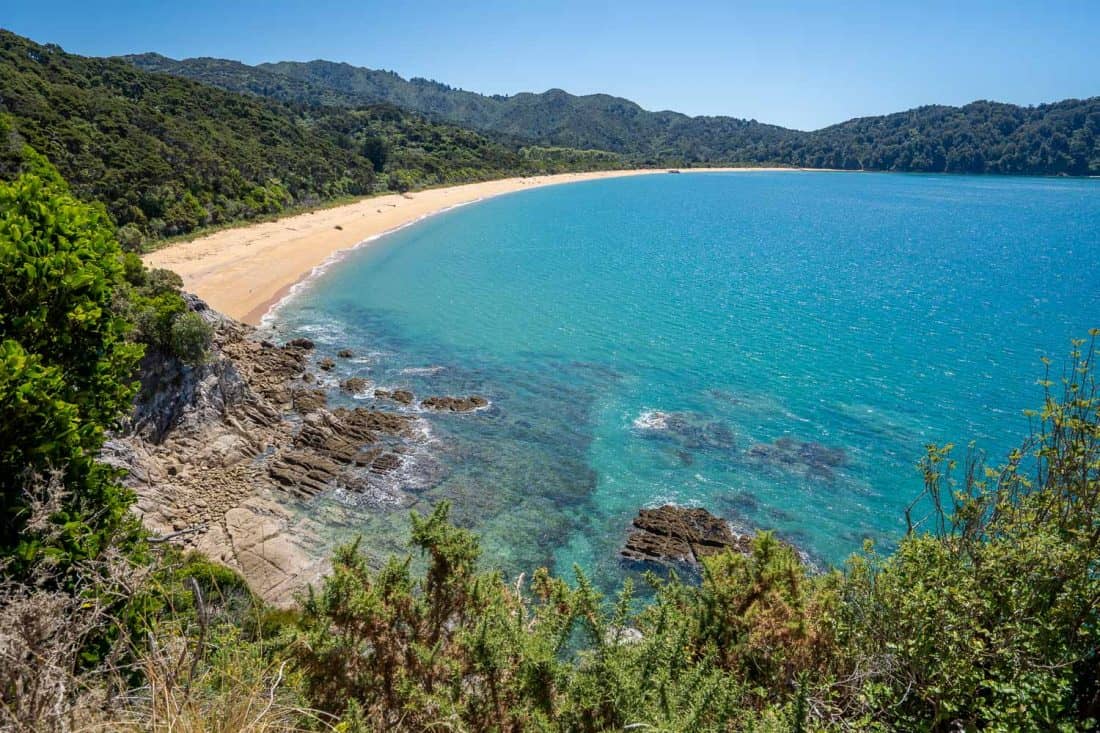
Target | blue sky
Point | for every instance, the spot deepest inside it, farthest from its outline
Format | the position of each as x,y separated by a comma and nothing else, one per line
799,64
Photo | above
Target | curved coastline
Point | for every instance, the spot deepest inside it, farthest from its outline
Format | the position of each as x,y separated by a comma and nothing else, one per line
247,272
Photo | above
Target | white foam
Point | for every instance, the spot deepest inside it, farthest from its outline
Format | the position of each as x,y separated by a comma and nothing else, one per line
422,370
652,420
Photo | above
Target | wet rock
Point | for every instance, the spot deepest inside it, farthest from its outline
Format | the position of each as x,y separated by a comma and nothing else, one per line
385,463
354,385
213,446
326,364
672,534
691,431
308,400
454,404
345,353
404,396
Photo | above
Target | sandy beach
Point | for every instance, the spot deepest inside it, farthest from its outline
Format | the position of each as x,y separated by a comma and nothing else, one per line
243,271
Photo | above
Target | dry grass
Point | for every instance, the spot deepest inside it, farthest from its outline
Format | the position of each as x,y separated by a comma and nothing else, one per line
237,692
194,678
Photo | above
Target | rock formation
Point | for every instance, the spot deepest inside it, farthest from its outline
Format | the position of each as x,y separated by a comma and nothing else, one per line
454,404
354,385
681,535
225,449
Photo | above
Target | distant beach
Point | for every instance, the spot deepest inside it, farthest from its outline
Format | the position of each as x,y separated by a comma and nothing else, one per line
244,271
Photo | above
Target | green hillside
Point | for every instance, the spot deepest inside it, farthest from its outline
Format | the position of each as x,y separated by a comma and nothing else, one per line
982,137
169,155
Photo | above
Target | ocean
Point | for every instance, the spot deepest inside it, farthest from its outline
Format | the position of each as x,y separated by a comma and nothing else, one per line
778,348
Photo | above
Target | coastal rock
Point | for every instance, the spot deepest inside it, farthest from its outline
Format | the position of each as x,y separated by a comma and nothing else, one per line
349,437
218,449
354,385
345,353
326,364
308,400
401,396
672,534
268,548
385,463
690,431
303,473
455,404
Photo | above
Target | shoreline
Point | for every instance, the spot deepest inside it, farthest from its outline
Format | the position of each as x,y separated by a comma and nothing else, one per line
247,271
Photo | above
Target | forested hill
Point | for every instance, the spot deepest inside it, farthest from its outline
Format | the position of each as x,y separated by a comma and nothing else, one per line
168,155
982,137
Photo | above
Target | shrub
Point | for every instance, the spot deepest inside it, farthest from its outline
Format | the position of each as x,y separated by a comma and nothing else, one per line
190,337
65,364
988,614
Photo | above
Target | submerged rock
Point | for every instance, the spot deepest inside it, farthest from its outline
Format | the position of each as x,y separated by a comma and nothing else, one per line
455,404
672,534
301,343
691,431
814,459
326,364
354,385
345,353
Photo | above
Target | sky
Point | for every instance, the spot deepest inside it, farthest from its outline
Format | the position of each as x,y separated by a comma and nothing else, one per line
798,64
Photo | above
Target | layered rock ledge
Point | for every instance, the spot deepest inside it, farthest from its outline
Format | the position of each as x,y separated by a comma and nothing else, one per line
681,535
219,453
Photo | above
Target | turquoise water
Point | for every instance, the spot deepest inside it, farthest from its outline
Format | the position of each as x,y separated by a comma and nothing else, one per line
649,339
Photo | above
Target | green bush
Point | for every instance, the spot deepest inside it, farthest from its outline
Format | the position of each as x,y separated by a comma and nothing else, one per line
67,366
190,337
161,318
988,614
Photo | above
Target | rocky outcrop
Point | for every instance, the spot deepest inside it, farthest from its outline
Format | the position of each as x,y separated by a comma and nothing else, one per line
354,385
308,400
680,535
226,449
401,396
454,404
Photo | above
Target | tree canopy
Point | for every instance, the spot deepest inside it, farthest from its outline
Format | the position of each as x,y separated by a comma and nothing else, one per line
981,137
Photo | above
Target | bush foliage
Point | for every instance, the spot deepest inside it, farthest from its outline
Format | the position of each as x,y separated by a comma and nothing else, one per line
67,365
167,155
980,137
986,617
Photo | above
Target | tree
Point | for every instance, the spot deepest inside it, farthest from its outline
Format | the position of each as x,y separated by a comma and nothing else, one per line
66,366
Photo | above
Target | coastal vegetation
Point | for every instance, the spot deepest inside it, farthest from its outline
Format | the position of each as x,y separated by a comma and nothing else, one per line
985,617
981,137
167,156
170,147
